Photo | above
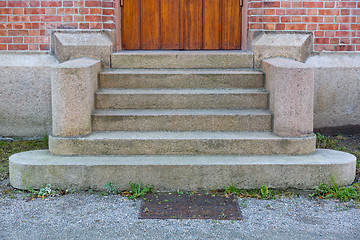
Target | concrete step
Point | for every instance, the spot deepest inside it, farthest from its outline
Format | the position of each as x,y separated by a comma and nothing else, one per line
182,59
181,120
38,168
181,143
229,98
181,78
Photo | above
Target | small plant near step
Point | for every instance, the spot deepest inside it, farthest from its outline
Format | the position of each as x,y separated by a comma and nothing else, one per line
43,192
47,191
264,193
137,191
344,193
111,188
232,190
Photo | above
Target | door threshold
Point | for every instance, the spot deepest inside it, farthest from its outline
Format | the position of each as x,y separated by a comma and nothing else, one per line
181,52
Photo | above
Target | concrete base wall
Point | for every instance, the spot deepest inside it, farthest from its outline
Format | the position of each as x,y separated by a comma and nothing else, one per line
25,96
337,91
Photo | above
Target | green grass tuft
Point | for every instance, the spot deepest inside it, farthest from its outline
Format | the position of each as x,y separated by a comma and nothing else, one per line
344,193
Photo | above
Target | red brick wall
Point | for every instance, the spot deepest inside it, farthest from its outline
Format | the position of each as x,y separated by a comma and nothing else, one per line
335,23
26,24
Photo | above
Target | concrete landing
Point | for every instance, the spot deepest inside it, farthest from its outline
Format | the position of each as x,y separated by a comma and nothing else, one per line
182,59
37,168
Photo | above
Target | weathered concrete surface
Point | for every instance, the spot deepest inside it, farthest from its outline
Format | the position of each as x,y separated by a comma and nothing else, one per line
182,120
291,87
182,59
73,86
93,44
181,143
297,46
181,78
25,106
337,89
37,168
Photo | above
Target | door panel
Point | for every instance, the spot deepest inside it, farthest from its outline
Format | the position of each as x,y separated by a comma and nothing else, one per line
231,31
192,28
212,24
170,24
131,25
150,24
181,24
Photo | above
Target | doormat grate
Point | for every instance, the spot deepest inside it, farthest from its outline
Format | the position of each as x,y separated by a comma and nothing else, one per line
189,206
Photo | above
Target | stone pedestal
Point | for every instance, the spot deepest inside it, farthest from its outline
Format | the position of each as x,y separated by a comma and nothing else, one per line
73,86
291,87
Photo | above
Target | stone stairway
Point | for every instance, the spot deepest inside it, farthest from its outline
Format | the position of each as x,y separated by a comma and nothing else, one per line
203,110
176,120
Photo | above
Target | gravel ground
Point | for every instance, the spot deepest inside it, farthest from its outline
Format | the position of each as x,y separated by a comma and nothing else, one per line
85,216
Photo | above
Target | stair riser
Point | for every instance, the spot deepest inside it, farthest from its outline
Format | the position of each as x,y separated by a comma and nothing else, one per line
182,101
64,146
255,80
179,59
183,123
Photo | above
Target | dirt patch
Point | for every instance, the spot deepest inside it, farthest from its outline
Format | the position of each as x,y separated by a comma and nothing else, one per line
351,142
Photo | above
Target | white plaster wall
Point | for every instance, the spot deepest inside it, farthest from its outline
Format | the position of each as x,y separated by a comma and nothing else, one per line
25,94
337,89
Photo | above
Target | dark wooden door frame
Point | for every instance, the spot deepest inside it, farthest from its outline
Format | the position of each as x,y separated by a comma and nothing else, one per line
244,27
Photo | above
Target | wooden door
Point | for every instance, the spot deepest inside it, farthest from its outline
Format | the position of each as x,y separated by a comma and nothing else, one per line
181,24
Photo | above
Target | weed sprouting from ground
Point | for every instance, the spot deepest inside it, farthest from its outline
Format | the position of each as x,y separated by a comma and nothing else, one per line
137,191
43,192
111,188
232,190
344,193
263,193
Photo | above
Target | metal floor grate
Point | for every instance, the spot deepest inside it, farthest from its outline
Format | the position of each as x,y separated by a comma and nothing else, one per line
167,205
